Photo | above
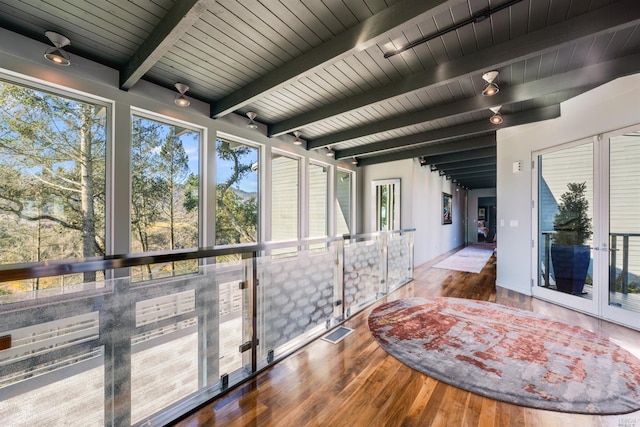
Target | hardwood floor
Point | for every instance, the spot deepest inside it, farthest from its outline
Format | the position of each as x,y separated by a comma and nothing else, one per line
356,383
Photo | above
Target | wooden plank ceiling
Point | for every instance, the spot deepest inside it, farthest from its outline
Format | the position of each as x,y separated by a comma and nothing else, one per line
326,68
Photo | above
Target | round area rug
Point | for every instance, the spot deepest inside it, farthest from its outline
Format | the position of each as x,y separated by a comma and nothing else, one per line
509,354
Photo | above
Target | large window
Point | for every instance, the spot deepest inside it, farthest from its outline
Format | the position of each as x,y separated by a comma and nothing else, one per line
164,191
237,198
318,185
284,197
52,182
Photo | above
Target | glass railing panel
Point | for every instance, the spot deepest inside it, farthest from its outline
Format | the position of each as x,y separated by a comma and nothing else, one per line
188,333
47,287
399,259
54,371
363,274
116,353
164,346
233,286
295,300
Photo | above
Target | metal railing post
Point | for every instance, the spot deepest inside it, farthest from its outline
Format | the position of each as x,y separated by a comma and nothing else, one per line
384,288
117,322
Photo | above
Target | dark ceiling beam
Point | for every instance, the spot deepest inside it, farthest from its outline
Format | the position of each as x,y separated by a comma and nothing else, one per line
433,150
474,177
480,127
485,179
487,170
459,157
589,76
182,16
361,36
469,164
479,185
614,17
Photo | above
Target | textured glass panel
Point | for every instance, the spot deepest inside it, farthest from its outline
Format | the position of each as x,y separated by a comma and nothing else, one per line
69,396
54,372
295,297
362,273
164,368
233,314
399,267
168,359
68,285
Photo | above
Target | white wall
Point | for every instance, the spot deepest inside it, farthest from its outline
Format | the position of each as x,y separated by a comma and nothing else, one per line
609,107
433,238
421,206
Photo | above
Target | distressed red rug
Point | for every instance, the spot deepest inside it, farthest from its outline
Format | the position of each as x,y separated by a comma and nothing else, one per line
510,355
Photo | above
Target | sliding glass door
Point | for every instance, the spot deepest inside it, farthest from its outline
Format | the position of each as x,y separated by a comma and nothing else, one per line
587,237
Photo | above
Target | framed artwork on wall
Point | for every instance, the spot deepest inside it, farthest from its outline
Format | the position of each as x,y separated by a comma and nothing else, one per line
447,208
481,213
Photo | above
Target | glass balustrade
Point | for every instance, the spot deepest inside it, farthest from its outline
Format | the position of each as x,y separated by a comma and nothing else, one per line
117,352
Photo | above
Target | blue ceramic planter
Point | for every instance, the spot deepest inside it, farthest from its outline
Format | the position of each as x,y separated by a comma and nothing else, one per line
570,266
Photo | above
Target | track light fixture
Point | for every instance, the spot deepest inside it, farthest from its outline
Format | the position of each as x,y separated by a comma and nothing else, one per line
354,161
297,140
496,119
251,124
433,168
57,54
442,173
423,161
330,152
491,88
181,100
448,177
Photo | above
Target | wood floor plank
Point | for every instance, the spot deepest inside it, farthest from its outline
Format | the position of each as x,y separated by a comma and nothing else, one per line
356,383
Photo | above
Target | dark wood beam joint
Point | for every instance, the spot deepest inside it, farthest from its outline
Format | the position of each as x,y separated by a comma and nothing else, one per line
183,15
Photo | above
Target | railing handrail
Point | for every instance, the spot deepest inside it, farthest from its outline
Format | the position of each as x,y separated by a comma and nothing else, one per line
375,234
109,262
610,234
31,270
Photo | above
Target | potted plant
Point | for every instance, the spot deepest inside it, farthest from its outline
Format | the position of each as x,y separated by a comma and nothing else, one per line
569,254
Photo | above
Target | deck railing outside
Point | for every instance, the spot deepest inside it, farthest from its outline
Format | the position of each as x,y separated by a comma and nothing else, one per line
120,353
619,256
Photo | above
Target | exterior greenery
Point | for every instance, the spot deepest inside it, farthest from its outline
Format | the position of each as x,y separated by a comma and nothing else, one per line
53,183
571,224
